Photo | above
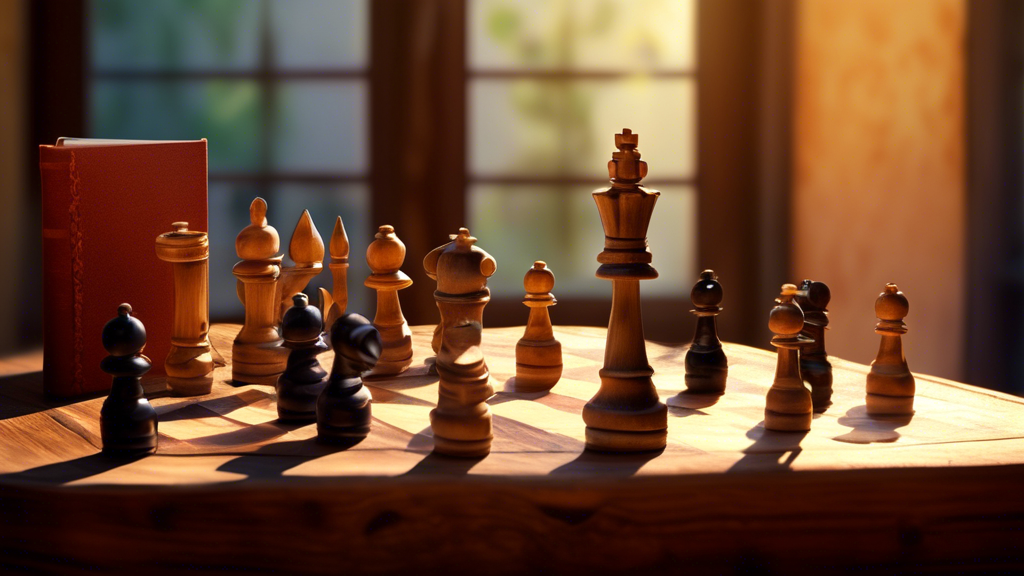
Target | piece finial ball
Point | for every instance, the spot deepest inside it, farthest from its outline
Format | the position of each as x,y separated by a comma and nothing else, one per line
707,292
786,319
301,322
386,254
892,304
124,335
539,279
258,240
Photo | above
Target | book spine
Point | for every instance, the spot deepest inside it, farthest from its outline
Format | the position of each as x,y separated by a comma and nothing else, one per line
62,276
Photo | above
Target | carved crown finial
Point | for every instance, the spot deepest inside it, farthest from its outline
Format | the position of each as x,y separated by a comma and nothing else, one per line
258,240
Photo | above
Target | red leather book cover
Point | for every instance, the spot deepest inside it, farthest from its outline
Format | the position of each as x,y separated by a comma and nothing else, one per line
104,204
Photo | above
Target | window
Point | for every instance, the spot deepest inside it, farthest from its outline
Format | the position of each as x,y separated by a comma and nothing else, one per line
278,87
549,84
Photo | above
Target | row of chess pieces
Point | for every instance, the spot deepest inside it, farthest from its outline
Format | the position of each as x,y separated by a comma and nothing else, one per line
282,335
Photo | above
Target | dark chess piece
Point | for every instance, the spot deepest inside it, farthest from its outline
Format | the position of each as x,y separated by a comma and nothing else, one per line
788,406
813,298
890,385
303,379
343,409
127,420
706,365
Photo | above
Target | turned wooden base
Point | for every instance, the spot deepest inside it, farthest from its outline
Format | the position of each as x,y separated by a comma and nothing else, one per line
462,448
536,378
781,422
881,405
190,386
618,441
258,363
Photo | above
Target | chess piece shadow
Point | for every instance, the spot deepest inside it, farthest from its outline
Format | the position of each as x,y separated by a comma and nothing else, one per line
436,464
689,402
868,429
618,464
247,435
771,450
71,470
273,460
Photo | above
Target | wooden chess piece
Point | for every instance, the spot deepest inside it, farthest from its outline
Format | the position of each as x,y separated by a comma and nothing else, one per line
788,407
385,256
707,368
462,420
334,303
303,379
306,250
626,415
890,385
813,298
430,266
189,364
538,354
343,409
257,355
128,422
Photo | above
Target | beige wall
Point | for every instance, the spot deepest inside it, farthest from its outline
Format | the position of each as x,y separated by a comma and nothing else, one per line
879,170
13,127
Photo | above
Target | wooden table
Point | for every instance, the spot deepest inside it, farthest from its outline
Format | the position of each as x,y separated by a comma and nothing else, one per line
232,487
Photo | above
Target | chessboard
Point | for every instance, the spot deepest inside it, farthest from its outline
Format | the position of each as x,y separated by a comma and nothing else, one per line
229,482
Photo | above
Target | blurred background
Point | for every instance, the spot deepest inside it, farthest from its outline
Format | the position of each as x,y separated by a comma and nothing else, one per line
856,143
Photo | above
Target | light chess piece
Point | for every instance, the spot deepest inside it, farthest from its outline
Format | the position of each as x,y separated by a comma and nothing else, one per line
626,415
385,256
334,303
788,407
813,298
707,368
303,379
343,409
257,355
430,267
306,250
189,364
890,385
462,420
128,423
538,354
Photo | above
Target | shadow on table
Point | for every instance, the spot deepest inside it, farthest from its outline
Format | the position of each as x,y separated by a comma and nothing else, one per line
71,470
273,460
688,403
771,450
871,429
607,464
22,394
434,464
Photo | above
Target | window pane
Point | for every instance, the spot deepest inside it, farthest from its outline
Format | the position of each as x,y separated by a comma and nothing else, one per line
174,35
226,112
561,226
325,203
317,34
320,126
630,35
565,127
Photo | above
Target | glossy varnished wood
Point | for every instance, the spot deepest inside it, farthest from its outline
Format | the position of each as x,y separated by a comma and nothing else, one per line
233,487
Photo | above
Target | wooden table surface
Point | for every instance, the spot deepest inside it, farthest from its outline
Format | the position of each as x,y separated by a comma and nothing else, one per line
233,487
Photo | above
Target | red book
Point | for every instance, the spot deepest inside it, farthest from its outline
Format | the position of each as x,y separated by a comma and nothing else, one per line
104,204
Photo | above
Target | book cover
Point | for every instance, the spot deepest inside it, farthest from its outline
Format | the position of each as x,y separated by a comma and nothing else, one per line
104,203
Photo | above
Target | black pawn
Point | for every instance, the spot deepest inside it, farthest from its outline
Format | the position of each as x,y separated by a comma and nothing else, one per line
303,379
706,365
343,409
127,420
814,297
